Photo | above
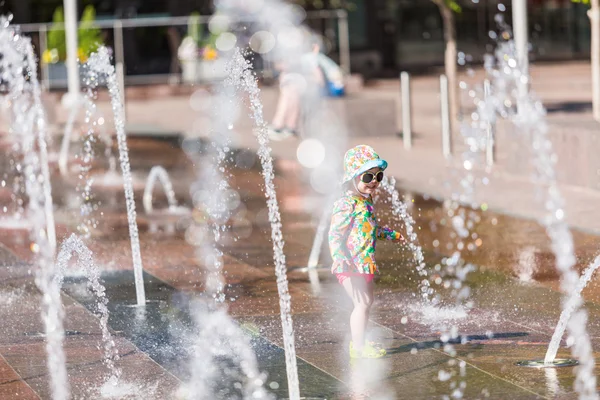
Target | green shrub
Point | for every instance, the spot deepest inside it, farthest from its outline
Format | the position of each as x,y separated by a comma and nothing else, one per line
56,35
89,36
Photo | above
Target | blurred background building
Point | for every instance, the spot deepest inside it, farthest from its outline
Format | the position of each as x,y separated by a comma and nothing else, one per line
386,36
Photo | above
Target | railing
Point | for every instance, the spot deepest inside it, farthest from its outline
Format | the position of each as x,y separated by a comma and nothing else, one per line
324,22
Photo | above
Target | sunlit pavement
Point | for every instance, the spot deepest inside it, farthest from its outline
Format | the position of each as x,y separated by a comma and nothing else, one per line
514,292
372,116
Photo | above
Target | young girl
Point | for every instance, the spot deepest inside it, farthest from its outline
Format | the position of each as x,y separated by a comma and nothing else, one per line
352,238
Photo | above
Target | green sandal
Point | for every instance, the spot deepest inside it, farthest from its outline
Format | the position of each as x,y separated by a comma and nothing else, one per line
377,345
370,350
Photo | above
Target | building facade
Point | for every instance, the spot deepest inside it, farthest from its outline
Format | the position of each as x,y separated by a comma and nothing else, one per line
408,34
386,36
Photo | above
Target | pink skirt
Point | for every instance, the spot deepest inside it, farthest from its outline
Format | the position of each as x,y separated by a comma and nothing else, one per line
345,275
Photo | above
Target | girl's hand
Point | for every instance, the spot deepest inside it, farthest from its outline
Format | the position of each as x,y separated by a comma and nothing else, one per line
399,238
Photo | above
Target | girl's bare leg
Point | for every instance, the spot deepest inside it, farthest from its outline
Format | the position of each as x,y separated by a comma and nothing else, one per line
361,294
370,288
293,108
282,107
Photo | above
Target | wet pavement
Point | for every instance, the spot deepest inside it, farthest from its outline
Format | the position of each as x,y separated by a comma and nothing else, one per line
514,293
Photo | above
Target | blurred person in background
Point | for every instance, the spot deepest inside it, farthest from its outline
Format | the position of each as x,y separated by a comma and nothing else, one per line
299,81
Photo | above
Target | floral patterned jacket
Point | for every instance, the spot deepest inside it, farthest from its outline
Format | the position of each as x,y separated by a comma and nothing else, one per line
353,235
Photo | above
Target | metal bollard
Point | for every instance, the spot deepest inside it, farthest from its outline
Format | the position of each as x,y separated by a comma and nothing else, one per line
490,145
44,66
344,40
445,111
406,111
120,62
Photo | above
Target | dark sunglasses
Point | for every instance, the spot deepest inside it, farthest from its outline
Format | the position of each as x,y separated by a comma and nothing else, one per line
368,177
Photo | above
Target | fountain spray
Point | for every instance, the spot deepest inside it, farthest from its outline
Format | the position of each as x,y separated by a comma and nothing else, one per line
508,80
218,339
99,65
28,119
158,173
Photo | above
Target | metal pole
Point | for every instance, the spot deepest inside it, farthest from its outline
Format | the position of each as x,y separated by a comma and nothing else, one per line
313,259
120,62
344,40
71,35
445,108
406,112
520,30
44,66
490,145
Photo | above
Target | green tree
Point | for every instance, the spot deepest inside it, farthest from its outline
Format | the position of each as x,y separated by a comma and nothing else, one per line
88,34
594,15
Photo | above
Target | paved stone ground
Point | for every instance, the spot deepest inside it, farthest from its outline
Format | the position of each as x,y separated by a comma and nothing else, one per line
516,302
372,116
514,293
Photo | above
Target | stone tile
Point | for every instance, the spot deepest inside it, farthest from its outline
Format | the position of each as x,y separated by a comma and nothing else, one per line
423,383
515,291
86,371
11,384
499,360
17,390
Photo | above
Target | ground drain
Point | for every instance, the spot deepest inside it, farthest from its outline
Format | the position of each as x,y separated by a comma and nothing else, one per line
559,362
